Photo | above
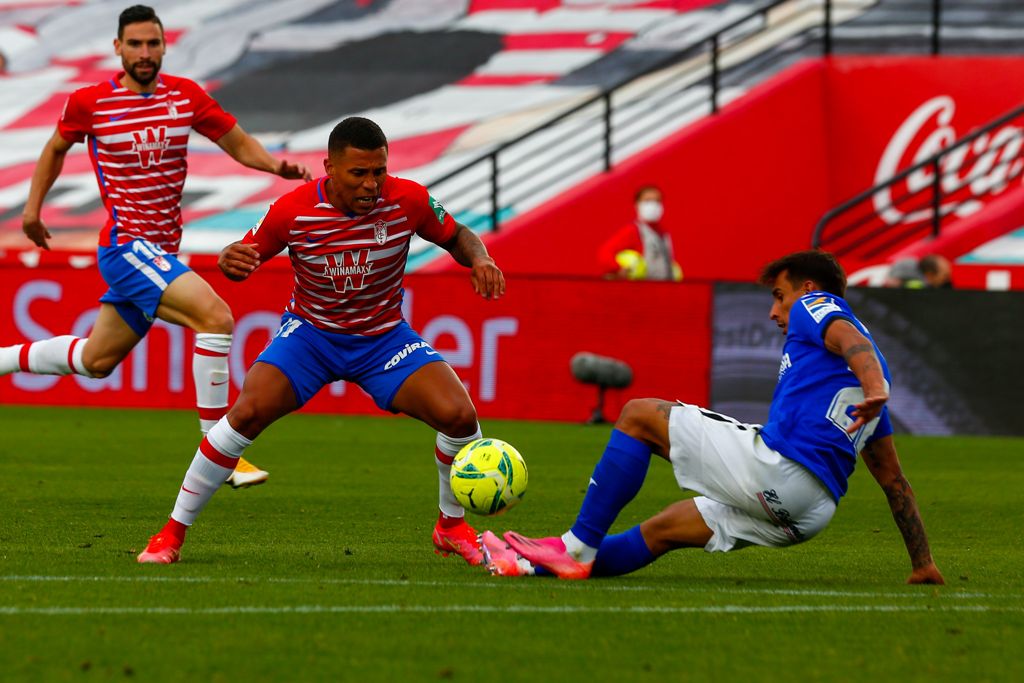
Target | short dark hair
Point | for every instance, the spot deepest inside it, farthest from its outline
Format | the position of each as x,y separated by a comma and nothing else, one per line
355,131
929,265
136,14
644,188
820,267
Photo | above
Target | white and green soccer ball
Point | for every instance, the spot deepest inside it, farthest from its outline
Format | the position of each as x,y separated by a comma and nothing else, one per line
488,476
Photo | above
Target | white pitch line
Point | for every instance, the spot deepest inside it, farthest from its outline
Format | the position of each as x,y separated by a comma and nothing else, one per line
497,609
505,584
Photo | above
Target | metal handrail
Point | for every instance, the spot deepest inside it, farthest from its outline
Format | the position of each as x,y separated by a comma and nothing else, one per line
714,42
708,47
934,162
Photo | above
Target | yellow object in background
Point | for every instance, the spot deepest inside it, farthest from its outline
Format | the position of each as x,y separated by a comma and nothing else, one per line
632,264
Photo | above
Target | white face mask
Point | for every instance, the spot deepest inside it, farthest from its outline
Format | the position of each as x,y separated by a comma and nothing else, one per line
650,210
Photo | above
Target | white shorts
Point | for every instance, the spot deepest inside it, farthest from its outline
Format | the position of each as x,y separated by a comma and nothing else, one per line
750,494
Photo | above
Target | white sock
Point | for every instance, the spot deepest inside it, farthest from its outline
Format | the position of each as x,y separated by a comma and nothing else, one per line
9,359
212,465
445,451
57,356
577,548
210,372
526,566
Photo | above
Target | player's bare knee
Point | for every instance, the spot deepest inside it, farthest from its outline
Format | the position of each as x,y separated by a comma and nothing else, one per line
638,417
244,417
96,372
218,320
459,421
99,366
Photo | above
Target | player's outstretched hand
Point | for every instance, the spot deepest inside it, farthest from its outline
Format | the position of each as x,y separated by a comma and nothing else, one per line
487,279
867,410
36,231
238,260
927,574
294,171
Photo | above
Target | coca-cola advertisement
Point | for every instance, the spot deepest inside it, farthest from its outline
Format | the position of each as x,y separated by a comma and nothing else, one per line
888,113
930,106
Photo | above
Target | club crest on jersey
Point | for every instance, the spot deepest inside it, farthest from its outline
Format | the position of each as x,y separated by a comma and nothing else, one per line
348,270
150,144
380,232
172,109
820,306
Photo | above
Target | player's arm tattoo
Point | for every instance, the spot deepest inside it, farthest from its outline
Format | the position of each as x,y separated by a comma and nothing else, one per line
664,408
903,505
870,360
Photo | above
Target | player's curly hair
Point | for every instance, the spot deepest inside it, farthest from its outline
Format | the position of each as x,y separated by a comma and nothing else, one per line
355,131
136,14
820,267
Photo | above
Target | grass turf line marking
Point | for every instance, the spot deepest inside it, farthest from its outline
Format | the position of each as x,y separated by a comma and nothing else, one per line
506,583
498,609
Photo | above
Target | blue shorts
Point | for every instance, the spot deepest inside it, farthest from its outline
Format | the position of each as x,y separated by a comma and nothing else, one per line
311,358
137,273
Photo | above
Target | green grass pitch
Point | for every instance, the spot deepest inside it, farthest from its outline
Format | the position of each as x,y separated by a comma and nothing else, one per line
327,572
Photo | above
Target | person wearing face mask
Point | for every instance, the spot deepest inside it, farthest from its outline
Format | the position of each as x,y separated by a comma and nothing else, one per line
642,249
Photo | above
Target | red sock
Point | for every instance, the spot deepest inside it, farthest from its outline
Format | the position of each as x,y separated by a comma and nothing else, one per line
446,522
176,529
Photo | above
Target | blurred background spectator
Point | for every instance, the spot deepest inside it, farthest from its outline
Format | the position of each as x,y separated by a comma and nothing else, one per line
642,249
936,271
905,272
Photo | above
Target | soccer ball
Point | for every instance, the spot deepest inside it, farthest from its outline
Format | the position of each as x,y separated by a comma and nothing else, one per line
488,476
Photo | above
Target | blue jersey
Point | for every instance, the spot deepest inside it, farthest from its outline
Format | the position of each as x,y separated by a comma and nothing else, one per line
816,392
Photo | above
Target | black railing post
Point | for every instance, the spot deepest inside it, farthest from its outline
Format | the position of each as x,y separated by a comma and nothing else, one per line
608,131
494,192
936,24
936,197
714,74
827,39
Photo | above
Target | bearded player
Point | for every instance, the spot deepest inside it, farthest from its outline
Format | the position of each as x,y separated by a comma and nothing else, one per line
136,126
347,235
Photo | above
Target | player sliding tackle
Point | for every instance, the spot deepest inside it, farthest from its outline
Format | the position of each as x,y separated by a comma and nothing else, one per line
348,238
775,485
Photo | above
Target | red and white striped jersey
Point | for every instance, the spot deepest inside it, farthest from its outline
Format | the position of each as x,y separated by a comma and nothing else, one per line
348,268
137,143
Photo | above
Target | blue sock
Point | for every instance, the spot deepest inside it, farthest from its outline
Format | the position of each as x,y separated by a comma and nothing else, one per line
619,554
622,553
617,479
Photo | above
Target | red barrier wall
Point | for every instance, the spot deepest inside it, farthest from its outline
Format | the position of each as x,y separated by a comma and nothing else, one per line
750,183
512,354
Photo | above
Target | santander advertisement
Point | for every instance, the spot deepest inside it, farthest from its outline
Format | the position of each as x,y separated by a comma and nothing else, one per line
512,354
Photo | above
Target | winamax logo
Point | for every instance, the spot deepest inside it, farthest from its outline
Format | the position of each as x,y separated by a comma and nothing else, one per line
150,144
348,270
